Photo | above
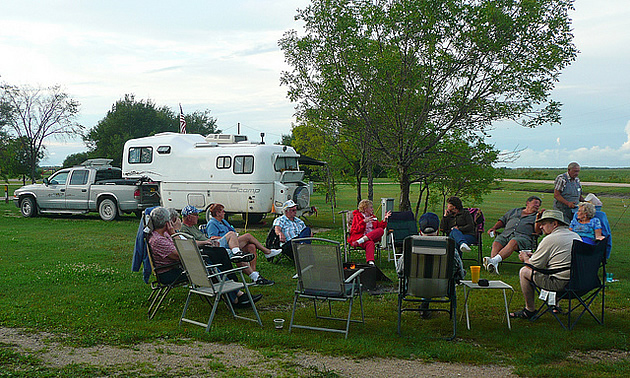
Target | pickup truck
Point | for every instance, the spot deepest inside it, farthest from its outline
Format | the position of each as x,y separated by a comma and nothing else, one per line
92,186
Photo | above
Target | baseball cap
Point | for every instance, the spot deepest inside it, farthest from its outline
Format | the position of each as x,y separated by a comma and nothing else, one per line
190,210
289,204
429,223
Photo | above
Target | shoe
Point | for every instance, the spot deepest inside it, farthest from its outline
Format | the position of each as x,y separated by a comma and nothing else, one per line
493,268
262,281
244,302
273,252
371,262
464,247
523,314
486,261
241,256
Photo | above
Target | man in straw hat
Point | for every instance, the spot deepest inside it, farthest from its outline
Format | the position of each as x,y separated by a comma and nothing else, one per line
553,252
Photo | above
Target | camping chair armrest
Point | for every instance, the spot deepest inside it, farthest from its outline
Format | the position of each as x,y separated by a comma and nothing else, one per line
354,275
548,271
228,271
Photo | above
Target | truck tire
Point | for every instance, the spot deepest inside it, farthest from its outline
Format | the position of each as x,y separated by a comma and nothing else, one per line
28,207
107,209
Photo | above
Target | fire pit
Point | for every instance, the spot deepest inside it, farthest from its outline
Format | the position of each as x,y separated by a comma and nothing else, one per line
369,277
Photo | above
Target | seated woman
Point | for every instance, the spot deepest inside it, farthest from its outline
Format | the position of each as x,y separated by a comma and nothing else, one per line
586,225
458,224
366,229
164,253
218,228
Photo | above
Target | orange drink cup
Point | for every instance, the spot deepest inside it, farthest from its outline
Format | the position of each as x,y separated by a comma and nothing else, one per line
474,272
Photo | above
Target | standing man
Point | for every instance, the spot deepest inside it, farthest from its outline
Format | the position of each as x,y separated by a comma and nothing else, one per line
567,192
520,233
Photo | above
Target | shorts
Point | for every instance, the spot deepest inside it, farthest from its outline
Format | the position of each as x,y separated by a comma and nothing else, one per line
523,242
224,244
548,282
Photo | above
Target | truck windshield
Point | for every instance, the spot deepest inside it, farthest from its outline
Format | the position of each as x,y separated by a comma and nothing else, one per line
286,163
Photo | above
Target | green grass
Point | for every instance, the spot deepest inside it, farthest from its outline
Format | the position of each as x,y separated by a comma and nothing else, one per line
71,276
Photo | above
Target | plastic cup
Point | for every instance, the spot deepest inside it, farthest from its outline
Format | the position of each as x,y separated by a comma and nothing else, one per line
278,323
609,277
474,272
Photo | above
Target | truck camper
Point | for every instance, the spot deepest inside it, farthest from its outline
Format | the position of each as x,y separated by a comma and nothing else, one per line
248,178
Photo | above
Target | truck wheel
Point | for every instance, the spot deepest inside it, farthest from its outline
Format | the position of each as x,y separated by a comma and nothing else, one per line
28,207
253,218
108,210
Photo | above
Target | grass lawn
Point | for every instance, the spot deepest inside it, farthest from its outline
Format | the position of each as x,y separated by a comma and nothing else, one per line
71,275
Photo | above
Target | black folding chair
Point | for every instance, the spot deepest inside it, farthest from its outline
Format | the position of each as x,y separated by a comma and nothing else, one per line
587,280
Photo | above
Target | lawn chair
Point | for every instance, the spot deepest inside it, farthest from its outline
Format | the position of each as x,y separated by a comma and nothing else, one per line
346,220
427,276
480,222
584,284
208,284
400,225
321,278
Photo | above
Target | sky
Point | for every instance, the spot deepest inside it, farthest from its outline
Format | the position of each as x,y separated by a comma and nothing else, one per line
224,56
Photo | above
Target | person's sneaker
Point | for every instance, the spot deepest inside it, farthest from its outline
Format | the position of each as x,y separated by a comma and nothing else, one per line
241,256
262,281
490,266
243,301
371,262
464,247
486,260
273,253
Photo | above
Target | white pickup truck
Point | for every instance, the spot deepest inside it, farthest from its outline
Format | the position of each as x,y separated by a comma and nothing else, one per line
92,186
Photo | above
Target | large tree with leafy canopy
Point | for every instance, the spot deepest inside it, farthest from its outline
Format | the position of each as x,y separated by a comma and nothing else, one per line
405,74
130,118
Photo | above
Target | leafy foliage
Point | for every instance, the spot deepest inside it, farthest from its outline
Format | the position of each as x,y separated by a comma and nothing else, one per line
399,77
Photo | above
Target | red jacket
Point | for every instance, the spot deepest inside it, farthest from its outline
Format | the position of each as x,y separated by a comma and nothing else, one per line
357,230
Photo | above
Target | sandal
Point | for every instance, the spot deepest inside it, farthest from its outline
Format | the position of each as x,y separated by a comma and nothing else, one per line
523,314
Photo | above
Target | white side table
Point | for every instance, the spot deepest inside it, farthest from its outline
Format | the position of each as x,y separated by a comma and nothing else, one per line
498,285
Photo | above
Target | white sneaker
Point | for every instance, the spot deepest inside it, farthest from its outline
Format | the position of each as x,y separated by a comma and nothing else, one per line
273,252
490,266
464,247
486,261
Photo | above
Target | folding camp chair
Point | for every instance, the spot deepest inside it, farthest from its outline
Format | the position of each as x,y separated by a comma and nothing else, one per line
427,276
208,284
321,278
400,225
480,221
346,220
584,285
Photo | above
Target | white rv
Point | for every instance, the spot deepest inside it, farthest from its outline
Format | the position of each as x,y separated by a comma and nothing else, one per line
248,178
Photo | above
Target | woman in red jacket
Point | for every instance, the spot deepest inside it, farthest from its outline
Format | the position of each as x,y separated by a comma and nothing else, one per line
366,229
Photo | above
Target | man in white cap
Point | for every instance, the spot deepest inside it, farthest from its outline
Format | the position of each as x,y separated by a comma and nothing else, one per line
289,226
553,252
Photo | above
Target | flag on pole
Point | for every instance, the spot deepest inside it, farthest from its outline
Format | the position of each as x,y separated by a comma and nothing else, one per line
182,121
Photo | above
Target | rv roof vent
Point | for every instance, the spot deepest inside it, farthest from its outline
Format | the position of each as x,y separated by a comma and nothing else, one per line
226,138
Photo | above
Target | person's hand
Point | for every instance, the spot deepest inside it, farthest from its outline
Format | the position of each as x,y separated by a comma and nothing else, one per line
572,205
387,215
282,237
491,231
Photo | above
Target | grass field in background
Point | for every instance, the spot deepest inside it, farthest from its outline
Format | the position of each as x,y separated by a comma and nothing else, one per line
71,275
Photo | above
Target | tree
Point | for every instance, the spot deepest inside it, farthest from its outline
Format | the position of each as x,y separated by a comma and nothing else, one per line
410,73
75,159
35,114
130,119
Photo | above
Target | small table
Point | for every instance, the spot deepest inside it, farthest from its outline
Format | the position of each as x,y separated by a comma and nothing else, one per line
469,286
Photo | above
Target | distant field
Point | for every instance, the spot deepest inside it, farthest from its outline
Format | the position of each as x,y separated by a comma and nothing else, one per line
621,175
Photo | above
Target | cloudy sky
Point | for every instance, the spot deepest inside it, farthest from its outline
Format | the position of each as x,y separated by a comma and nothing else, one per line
223,56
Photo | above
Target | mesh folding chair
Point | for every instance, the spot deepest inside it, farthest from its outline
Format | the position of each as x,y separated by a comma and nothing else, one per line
400,225
428,276
321,278
480,222
208,284
585,284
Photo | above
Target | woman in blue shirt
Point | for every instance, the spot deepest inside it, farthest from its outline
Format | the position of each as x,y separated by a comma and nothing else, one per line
586,225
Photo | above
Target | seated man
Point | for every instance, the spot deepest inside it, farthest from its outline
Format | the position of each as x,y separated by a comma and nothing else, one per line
520,233
288,227
553,252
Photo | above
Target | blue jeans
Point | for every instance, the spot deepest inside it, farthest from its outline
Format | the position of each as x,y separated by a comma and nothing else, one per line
460,238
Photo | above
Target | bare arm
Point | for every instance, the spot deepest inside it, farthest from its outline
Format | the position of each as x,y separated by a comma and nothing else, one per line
558,197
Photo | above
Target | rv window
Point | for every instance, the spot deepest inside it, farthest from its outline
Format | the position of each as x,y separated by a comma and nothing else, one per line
79,177
164,150
140,155
224,162
286,164
243,164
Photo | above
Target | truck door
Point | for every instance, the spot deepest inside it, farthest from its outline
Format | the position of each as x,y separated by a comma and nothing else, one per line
54,194
77,190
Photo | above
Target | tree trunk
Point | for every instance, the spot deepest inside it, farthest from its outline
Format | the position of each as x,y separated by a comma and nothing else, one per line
370,180
403,179
358,178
